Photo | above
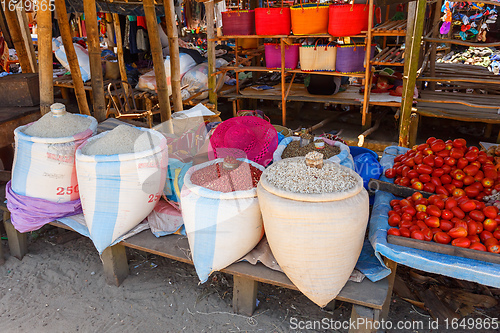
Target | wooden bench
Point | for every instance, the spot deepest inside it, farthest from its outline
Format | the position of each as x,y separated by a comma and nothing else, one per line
370,300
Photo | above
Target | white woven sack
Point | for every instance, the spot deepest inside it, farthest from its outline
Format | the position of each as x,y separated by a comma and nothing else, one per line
343,158
315,238
318,57
45,167
221,227
119,191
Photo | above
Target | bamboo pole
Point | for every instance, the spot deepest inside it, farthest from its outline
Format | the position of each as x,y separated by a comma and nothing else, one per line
409,79
45,75
17,40
173,42
25,32
99,104
156,52
76,75
283,97
368,72
119,51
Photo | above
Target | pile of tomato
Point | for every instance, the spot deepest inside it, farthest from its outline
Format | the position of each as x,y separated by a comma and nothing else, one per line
461,221
450,168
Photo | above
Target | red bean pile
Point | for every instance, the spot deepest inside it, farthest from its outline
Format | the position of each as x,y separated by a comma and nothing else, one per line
216,178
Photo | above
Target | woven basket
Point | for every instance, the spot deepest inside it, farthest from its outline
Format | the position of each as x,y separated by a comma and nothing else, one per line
318,57
273,56
272,21
238,23
309,19
351,58
348,20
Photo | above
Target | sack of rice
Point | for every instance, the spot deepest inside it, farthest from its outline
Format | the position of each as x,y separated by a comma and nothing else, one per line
44,159
333,151
315,219
221,212
121,174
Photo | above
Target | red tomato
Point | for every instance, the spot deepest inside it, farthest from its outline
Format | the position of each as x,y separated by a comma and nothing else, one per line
446,214
461,162
487,182
422,168
490,225
394,202
429,187
442,237
412,174
394,220
458,213
450,161
430,140
490,173
417,185
496,233
405,232
450,203
432,222
406,217
446,225
490,241
494,248
441,190
446,168
457,183
449,187
428,160
424,178
405,224
457,154
410,210
421,224
478,216
433,210
416,196
405,202
468,206
458,174
438,145
479,176
394,231
471,170
437,173
427,234
484,235
474,239
438,162
414,228
461,242
472,228
471,156
459,232
421,215
477,246
468,180
459,143
417,234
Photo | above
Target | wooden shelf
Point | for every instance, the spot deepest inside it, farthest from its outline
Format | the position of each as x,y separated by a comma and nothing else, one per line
390,28
378,63
264,69
445,72
362,35
460,42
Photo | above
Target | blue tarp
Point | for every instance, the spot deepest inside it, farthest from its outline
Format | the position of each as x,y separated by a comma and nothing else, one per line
456,267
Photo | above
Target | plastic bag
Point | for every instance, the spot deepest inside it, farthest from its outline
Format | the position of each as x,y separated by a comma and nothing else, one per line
81,54
197,78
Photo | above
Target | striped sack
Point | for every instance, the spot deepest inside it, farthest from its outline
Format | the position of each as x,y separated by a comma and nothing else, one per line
119,191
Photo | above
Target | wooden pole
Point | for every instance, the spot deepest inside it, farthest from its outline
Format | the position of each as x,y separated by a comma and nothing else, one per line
212,93
173,42
76,75
17,40
409,79
119,51
368,72
156,52
99,104
28,42
5,30
283,97
45,75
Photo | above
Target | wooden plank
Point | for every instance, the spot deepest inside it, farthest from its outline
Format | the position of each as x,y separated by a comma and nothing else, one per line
244,295
62,19
460,42
99,102
364,319
375,185
119,51
283,98
17,40
11,118
157,54
414,121
457,79
368,68
173,41
28,42
444,249
18,242
114,259
437,309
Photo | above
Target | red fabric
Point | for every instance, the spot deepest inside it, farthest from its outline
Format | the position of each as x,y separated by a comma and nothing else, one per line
141,22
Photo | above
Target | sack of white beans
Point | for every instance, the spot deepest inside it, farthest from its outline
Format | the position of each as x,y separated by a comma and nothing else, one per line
343,158
121,174
44,158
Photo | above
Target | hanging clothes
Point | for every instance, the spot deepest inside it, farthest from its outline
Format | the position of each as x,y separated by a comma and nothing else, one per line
142,39
141,22
219,8
133,34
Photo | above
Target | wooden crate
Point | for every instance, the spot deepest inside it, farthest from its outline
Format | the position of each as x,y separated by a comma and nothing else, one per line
444,249
19,90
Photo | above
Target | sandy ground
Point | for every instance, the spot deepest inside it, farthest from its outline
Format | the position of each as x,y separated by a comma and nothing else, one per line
61,288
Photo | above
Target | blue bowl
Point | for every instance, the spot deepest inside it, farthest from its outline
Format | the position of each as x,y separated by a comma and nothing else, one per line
355,151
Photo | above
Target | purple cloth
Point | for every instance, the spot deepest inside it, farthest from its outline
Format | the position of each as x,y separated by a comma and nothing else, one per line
28,214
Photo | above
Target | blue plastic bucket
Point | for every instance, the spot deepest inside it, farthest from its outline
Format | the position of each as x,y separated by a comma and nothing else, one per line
360,150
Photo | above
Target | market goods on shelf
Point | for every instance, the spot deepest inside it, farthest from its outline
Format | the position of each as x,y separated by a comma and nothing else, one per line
293,175
221,226
461,221
123,139
294,149
63,124
227,176
119,190
316,237
450,168
44,158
